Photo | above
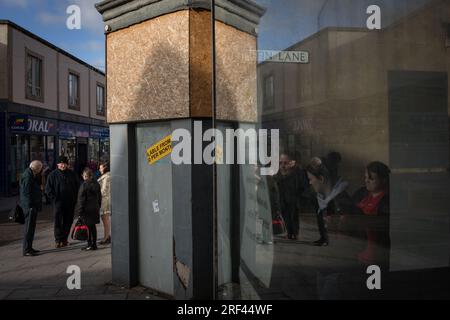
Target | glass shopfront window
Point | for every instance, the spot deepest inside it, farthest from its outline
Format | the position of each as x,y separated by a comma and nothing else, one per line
26,148
104,150
19,158
32,138
94,152
51,152
68,148
98,152
37,148
99,144
354,98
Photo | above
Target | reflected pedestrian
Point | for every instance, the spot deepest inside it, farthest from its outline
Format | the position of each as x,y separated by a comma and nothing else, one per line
330,189
291,182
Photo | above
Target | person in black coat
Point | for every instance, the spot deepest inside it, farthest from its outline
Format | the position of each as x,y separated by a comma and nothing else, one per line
292,183
88,206
62,188
31,204
332,198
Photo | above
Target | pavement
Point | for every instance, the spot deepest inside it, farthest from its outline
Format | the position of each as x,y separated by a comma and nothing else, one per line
45,276
285,269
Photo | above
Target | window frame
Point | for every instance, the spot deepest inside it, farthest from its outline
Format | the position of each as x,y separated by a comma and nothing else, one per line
101,85
29,95
75,107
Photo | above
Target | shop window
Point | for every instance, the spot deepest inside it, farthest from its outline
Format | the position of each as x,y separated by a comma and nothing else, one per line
363,161
37,148
94,152
74,91
68,148
51,151
34,77
19,151
100,100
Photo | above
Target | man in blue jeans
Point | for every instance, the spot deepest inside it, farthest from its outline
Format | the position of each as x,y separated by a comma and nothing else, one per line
31,203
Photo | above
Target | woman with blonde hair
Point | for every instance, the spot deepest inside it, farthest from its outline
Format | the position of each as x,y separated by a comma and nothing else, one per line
105,210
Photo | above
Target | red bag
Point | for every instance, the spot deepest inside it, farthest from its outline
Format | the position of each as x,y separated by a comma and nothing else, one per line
279,226
81,231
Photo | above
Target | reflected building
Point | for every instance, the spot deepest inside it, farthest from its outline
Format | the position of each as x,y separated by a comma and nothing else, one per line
194,231
376,95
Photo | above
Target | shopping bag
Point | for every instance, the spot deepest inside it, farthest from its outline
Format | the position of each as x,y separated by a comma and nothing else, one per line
80,231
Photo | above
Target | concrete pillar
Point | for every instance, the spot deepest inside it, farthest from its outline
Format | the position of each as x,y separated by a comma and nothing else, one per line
159,78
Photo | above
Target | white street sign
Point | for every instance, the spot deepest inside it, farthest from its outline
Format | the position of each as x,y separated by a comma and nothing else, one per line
283,56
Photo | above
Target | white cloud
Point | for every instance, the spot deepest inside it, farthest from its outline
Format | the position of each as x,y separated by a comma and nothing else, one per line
15,3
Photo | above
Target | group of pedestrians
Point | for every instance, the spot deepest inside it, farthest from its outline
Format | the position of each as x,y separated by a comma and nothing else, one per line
319,185
88,199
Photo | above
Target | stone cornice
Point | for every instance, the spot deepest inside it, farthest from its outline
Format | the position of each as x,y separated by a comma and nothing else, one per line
118,14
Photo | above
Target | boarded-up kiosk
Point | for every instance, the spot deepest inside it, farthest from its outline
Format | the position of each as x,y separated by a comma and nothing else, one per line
159,79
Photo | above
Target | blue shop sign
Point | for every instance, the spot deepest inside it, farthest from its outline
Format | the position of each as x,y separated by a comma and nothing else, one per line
29,124
73,130
99,132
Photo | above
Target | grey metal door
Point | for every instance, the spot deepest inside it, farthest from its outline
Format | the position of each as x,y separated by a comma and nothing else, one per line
154,196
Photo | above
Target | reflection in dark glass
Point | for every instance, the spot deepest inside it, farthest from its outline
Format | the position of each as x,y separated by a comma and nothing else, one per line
364,165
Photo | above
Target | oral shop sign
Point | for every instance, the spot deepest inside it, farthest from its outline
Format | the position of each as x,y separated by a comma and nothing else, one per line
24,123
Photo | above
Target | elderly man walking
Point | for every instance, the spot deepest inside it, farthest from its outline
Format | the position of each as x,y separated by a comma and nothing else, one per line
62,188
31,203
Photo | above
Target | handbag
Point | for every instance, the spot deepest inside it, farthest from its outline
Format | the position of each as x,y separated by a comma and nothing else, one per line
80,231
16,215
279,226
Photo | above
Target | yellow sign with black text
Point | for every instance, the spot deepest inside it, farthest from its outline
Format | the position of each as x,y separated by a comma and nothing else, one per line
159,150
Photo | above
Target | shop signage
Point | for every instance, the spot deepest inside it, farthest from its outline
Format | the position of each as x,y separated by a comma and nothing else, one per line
24,123
99,132
73,130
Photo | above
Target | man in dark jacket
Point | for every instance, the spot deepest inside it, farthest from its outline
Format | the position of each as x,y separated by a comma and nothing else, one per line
292,183
31,203
62,188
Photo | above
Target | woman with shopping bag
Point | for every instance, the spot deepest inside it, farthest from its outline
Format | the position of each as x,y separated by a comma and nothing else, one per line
88,206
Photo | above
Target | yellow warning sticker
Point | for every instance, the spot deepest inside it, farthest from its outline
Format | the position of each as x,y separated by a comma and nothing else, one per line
159,150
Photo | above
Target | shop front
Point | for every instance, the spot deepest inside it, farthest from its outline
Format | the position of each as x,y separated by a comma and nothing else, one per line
31,138
73,143
98,146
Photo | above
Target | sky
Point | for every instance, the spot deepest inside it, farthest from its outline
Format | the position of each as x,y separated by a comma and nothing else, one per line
47,19
285,23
